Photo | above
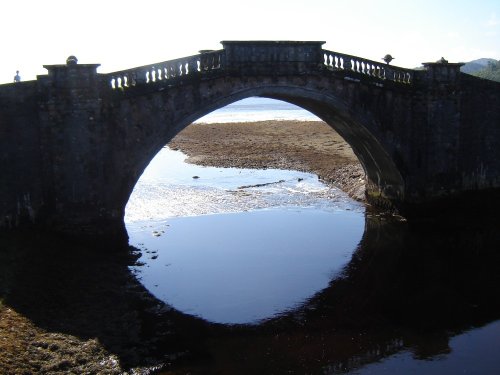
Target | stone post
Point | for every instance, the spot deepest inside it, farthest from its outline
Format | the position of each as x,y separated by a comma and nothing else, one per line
74,146
442,72
441,81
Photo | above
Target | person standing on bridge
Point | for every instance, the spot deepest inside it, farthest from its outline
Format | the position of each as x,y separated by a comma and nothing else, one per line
17,77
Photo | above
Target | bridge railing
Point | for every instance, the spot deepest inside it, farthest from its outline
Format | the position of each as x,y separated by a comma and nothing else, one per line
339,61
210,61
167,70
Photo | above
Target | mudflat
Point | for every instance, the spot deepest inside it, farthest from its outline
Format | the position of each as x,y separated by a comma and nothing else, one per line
309,146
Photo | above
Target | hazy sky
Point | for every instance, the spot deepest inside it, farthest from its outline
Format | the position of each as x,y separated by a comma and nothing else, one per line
121,34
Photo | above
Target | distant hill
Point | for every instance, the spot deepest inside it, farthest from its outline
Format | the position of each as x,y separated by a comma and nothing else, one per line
482,68
476,65
488,69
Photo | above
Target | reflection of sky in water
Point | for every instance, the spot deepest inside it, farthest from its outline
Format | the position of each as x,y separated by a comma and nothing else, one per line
167,189
253,252
239,268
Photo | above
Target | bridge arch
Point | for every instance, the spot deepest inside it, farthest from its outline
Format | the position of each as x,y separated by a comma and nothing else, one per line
358,128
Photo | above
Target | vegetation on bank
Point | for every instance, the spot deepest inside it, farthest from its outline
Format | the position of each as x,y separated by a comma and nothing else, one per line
483,68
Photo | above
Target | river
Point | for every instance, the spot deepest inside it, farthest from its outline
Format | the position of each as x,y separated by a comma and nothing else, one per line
314,281
238,245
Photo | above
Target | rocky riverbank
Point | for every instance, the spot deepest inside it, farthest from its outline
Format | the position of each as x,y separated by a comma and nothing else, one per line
309,146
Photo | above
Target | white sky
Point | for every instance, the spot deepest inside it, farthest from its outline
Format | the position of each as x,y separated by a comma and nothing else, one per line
122,34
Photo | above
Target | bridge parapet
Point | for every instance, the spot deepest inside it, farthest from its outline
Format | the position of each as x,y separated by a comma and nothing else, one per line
348,63
206,61
259,57
272,57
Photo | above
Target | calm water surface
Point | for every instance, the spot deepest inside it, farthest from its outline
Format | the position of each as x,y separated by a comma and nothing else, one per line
238,246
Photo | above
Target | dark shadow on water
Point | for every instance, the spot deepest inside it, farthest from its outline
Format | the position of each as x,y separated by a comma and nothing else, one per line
406,288
73,289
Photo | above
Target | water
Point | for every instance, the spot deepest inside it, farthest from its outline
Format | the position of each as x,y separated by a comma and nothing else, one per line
169,187
328,287
474,352
258,109
238,245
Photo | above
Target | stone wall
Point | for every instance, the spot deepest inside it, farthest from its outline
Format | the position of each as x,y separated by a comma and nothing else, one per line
21,189
479,145
272,57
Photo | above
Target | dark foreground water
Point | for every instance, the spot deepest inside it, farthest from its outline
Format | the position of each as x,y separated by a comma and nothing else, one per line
327,287
409,299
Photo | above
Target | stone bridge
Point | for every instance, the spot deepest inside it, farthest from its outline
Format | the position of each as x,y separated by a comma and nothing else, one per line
74,142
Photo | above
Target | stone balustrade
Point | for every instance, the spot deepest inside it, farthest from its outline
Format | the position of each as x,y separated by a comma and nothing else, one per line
208,61
164,71
339,61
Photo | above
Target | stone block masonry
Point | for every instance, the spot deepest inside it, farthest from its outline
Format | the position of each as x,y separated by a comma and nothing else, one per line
74,142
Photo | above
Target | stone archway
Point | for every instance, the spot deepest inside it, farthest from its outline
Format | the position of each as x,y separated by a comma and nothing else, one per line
384,179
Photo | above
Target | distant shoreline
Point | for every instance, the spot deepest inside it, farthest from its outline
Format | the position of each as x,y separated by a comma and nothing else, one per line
309,146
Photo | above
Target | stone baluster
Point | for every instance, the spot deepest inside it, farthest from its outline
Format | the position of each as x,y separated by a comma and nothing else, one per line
133,78
389,73
193,66
171,71
221,60
347,63
204,62
401,77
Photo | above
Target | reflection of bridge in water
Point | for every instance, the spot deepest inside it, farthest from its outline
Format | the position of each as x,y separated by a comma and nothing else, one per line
403,290
75,142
